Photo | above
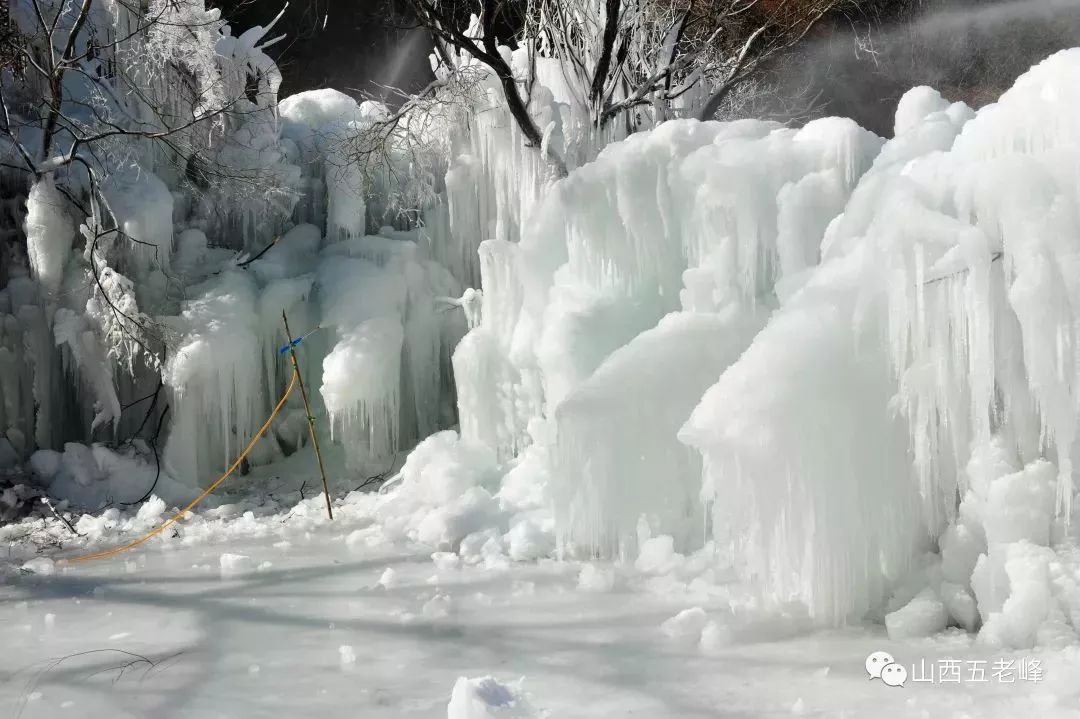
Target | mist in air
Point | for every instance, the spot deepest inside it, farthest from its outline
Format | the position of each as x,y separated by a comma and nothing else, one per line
968,50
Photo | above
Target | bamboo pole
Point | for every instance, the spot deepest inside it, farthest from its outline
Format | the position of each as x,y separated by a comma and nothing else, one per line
310,417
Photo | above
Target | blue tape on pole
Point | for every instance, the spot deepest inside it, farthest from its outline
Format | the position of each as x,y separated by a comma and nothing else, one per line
286,348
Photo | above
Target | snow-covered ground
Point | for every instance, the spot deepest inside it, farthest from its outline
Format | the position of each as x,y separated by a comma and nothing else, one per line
254,611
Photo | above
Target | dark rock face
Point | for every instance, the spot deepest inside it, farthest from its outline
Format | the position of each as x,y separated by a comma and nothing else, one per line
355,46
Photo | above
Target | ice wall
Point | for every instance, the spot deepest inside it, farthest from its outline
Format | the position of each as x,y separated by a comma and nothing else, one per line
940,322
696,221
922,306
374,356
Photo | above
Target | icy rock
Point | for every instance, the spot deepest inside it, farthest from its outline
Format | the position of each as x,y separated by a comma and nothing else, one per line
960,549
1030,605
1020,506
438,607
923,616
235,564
960,604
596,579
715,636
686,626
151,510
40,565
476,545
388,579
445,561
658,556
446,526
527,540
444,466
926,572
488,698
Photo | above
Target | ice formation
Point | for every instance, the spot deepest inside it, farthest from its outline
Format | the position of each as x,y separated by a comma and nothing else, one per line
49,234
656,225
920,310
157,337
843,368
936,325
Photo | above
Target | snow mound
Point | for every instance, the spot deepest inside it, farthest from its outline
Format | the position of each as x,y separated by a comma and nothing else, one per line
924,616
446,494
40,565
93,476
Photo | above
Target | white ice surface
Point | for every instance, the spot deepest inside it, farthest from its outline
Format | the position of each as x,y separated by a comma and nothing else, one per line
273,641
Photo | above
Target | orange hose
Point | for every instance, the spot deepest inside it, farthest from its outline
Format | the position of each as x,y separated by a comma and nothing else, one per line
206,493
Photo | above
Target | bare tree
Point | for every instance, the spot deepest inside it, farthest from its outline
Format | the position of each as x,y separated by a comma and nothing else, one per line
481,41
402,153
92,90
750,35
676,57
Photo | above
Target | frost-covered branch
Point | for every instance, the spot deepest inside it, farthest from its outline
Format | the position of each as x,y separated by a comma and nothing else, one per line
481,43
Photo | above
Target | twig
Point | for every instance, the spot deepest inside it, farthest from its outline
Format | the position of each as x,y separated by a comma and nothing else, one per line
378,478
47,503
157,459
262,252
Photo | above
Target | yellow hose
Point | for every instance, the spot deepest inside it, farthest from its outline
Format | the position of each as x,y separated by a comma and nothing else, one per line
206,493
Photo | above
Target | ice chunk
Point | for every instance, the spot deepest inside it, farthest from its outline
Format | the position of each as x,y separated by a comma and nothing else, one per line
528,540
488,698
686,626
960,605
49,233
235,564
715,636
658,556
596,579
915,106
1020,506
924,616
40,565
1030,606
438,607
446,526
960,549
388,579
